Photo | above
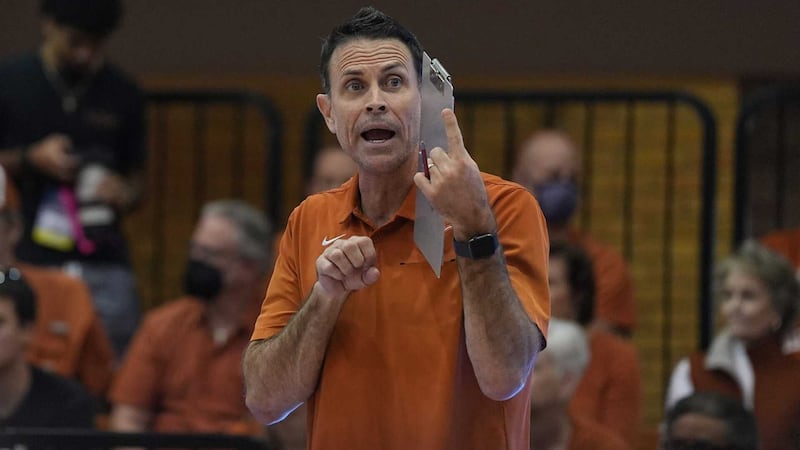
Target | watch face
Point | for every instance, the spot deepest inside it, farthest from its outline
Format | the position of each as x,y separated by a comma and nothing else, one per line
483,246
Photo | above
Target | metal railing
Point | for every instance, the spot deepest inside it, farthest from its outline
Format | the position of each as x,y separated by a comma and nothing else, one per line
766,163
203,145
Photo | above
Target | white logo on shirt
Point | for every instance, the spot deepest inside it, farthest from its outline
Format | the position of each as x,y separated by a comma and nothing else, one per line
326,242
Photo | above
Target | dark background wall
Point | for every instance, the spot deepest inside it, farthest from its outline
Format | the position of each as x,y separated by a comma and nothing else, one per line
578,37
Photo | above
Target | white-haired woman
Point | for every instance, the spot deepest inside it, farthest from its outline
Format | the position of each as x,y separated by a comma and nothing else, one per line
758,295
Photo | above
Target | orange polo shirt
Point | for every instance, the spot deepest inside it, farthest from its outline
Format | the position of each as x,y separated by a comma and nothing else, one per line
610,391
176,371
68,338
396,373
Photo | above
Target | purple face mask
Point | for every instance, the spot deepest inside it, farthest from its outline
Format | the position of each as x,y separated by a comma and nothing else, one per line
558,200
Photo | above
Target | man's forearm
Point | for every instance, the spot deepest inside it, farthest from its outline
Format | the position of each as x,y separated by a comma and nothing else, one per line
502,341
282,372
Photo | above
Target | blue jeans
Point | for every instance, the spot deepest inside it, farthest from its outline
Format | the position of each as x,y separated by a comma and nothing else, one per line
116,301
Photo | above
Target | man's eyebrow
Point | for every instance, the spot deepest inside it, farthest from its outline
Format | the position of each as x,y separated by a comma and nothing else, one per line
387,68
353,72
392,66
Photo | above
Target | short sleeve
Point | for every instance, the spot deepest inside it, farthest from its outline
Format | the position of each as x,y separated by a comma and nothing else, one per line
284,297
523,234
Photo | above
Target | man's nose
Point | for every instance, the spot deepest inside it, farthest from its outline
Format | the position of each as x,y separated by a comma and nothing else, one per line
376,103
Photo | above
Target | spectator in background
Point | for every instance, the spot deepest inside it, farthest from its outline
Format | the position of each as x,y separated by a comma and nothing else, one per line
332,167
610,391
548,164
183,370
557,373
72,136
67,337
757,293
29,396
709,421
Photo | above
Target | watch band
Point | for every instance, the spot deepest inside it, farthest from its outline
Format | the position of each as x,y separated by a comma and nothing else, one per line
477,247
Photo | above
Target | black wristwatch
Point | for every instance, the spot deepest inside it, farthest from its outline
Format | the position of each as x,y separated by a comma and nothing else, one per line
477,247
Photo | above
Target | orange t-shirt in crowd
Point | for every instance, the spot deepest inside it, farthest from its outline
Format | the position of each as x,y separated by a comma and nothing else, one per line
68,338
176,371
588,434
610,391
614,296
785,242
396,373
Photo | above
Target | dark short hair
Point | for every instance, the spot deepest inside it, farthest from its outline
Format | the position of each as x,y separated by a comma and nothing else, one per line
580,276
740,425
367,23
95,17
15,289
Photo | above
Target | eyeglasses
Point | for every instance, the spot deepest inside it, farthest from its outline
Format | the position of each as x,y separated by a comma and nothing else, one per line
12,274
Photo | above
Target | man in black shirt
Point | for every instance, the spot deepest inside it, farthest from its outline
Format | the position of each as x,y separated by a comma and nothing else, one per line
72,136
30,397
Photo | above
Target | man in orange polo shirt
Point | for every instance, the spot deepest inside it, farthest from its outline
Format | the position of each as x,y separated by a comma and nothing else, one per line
68,337
355,323
182,371
548,164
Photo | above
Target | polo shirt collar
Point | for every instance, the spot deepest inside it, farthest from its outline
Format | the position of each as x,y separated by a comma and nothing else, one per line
353,202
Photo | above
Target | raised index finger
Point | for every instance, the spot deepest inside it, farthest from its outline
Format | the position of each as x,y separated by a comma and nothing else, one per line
455,142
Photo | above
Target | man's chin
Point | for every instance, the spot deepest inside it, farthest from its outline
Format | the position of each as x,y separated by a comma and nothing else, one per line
382,164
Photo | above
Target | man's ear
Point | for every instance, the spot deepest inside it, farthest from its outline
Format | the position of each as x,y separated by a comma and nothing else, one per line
324,106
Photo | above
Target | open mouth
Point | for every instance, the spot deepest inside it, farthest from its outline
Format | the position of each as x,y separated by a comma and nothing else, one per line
377,135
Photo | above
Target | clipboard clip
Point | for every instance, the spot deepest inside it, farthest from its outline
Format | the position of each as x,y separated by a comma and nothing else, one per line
439,76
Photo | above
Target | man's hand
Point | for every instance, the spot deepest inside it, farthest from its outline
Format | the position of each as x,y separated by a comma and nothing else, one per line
347,265
51,156
456,188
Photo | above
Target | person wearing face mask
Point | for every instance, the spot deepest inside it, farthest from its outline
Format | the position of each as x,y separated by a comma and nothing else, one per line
182,372
548,164
757,294
72,137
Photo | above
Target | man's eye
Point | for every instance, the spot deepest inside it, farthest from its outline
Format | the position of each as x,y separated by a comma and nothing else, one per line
394,82
353,85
